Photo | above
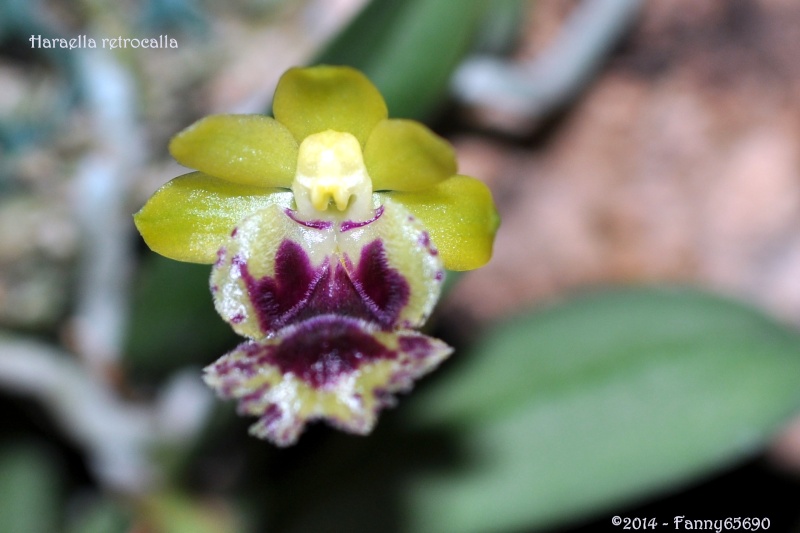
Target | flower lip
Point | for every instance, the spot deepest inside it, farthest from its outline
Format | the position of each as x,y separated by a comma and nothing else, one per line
330,169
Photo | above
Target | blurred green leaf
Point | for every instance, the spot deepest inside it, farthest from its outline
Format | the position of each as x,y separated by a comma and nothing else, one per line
102,516
179,513
501,27
173,321
408,48
30,492
601,401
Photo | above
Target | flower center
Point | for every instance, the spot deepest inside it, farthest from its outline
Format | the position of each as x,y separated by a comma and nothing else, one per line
331,170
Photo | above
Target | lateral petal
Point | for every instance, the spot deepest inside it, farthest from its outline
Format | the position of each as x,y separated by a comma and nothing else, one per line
404,155
461,217
245,149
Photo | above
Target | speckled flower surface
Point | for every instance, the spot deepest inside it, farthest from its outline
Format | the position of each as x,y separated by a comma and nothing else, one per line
329,228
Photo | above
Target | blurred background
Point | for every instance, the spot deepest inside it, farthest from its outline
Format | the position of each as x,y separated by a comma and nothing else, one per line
631,350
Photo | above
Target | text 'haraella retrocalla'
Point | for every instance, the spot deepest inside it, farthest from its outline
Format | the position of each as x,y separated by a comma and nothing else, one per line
329,228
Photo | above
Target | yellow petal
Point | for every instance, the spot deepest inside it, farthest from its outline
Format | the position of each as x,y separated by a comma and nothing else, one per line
311,100
461,217
188,218
404,155
245,149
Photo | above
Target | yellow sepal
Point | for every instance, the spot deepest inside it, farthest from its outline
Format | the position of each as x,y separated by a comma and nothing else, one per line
311,100
191,216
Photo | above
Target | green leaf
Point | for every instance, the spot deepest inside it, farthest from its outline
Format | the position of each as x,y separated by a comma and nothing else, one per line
173,322
408,48
600,402
102,515
30,496
502,27
179,513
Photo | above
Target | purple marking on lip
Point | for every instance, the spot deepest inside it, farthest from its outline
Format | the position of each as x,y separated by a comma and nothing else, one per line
319,351
325,353
252,397
347,225
271,418
425,241
323,349
315,224
220,256
276,300
417,346
382,288
226,366
373,291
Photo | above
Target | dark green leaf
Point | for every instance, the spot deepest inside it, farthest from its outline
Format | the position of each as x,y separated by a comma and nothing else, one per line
102,516
173,321
179,513
599,402
408,48
29,490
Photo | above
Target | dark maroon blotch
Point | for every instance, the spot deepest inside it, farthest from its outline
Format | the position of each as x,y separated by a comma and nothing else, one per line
383,288
277,300
323,349
373,291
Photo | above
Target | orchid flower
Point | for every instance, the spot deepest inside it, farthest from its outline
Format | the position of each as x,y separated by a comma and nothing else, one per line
329,228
